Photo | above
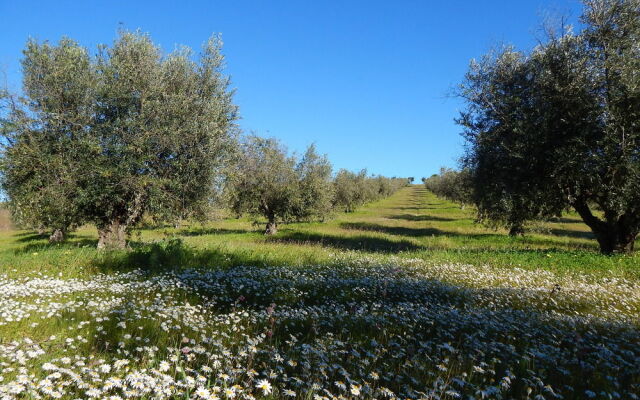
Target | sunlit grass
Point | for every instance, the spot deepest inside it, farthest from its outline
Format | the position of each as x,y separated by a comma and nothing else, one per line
405,295
413,224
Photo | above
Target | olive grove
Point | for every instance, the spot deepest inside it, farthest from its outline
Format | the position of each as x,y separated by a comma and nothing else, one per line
106,139
559,128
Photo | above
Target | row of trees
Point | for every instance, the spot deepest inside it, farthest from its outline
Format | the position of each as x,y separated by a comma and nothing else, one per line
452,185
352,190
131,133
266,181
559,128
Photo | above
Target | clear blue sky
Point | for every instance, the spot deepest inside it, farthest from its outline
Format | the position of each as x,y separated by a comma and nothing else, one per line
367,81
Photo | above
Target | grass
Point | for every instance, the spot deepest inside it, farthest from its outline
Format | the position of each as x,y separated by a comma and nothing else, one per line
413,223
405,298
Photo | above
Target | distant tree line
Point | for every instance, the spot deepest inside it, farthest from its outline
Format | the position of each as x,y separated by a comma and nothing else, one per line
558,128
132,133
268,182
452,185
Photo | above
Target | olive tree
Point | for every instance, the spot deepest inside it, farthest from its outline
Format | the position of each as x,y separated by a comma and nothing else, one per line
350,190
264,182
452,185
558,128
163,125
127,133
45,137
315,187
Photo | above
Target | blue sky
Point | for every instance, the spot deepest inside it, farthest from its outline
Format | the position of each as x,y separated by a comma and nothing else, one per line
368,81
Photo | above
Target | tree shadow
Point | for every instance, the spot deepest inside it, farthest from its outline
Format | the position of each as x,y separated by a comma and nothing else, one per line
213,231
73,241
572,233
567,220
502,240
24,233
392,230
421,218
516,332
69,243
29,237
426,207
33,247
359,242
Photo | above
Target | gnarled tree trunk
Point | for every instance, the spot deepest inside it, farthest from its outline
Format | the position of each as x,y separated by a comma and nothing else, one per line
57,236
615,234
272,226
112,235
615,242
616,237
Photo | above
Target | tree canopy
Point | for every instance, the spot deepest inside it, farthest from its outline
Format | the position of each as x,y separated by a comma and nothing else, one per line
558,128
451,185
264,182
109,138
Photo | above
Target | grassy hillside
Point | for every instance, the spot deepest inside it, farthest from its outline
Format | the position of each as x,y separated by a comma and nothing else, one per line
411,224
406,298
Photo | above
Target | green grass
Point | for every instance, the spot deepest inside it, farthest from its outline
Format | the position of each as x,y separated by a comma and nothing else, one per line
413,223
408,286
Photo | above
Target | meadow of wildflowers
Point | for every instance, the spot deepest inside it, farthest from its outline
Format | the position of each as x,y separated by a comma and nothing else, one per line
464,314
359,329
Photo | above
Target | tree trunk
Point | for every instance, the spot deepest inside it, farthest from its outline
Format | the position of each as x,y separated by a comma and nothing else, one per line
272,227
57,236
516,230
616,239
112,236
614,234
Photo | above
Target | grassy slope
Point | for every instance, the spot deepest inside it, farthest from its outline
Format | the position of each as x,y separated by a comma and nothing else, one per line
412,223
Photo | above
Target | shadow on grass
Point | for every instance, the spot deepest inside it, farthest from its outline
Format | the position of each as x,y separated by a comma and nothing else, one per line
29,237
485,241
573,234
443,313
421,218
567,220
24,233
359,242
214,231
172,255
72,241
393,230
427,207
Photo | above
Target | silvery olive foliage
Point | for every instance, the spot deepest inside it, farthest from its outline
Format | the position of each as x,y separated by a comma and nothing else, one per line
558,128
264,182
39,169
109,138
352,190
315,186
270,183
452,185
